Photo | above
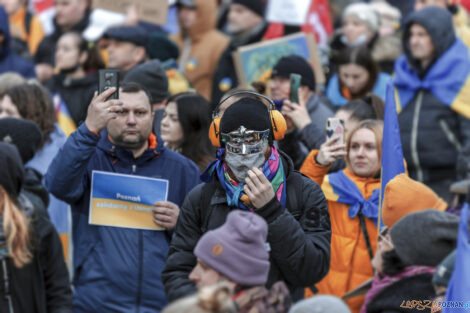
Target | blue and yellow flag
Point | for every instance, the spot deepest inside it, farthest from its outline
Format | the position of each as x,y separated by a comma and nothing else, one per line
64,120
458,291
392,153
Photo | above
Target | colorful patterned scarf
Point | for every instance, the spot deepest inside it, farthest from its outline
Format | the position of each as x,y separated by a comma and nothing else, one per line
272,169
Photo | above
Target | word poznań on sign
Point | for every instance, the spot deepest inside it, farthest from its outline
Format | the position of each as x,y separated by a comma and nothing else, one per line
125,200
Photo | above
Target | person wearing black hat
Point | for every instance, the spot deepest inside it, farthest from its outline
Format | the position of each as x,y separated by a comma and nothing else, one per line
246,25
311,111
199,43
250,174
125,46
27,137
30,248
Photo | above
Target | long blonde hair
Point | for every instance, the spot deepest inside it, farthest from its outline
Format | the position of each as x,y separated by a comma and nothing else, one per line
16,230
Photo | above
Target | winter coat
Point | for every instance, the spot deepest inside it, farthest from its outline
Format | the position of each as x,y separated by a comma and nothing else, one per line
42,286
204,46
46,50
298,235
319,110
350,261
116,269
434,105
334,94
262,300
394,298
10,62
76,93
28,30
225,77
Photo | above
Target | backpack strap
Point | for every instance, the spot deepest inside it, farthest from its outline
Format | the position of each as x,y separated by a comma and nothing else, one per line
27,22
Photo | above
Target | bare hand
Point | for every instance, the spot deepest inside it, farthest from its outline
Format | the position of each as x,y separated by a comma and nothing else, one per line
298,113
330,151
100,111
165,214
258,188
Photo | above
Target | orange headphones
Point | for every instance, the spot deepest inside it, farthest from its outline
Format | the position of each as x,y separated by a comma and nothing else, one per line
278,123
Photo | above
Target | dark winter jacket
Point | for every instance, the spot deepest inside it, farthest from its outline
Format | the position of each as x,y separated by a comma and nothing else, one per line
394,298
76,93
42,286
46,50
225,77
10,62
299,235
434,108
116,269
34,190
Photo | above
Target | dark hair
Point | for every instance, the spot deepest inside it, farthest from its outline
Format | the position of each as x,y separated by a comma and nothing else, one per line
34,103
361,56
135,88
370,107
392,264
194,118
94,61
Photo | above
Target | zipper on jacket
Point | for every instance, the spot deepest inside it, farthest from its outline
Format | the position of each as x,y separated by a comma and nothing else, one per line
134,168
449,134
140,269
414,138
6,282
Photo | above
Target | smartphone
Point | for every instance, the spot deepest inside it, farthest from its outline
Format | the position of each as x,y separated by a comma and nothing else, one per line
335,126
294,87
109,79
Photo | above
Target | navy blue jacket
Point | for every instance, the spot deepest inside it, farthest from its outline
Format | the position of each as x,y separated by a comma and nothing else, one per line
10,62
116,269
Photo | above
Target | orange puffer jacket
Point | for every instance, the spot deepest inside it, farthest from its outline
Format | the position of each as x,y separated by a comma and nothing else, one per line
350,264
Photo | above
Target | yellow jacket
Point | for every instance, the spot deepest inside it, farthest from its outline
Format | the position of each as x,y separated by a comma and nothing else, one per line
18,29
350,264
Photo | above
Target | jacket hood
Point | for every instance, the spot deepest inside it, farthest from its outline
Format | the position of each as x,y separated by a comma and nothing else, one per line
438,24
5,29
206,18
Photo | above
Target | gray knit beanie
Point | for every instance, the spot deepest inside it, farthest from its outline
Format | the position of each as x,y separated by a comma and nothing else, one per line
425,237
237,249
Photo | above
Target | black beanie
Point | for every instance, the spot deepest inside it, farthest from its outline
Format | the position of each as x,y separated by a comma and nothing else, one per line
249,113
152,76
11,169
297,65
24,134
161,47
256,6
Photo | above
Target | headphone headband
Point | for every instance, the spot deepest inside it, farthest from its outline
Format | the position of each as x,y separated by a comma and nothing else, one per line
253,94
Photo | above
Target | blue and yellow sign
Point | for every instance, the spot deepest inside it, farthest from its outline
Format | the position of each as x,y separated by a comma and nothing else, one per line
125,200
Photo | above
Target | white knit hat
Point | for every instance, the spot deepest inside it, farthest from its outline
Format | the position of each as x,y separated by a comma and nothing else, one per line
364,13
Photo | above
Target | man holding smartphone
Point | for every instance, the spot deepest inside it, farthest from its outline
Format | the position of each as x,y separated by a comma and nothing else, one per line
118,269
305,119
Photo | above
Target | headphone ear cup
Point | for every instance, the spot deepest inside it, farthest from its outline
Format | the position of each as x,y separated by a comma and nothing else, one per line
278,123
214,132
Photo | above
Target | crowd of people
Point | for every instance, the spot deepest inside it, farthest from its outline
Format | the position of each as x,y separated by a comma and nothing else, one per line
185,189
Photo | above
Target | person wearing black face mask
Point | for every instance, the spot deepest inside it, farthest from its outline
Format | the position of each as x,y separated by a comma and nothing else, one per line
77,78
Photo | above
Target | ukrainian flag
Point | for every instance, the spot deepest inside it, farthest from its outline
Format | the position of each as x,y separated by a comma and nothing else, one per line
64,120
392,153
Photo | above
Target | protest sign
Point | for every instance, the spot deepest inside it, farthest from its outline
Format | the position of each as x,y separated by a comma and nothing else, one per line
154,11
254,62
288,11
125,200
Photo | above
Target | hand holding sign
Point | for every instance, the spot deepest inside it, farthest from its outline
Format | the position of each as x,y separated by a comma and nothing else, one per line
100,111
165,214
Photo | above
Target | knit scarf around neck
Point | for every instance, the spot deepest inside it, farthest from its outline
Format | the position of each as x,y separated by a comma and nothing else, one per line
273,169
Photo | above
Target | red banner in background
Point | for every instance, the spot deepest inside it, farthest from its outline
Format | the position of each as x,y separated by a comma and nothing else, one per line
42,5
318,22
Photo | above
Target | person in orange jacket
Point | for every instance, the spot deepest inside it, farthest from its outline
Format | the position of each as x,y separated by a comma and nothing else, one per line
353,196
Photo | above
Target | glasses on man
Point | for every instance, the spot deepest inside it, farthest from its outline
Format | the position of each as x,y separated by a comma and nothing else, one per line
244,141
